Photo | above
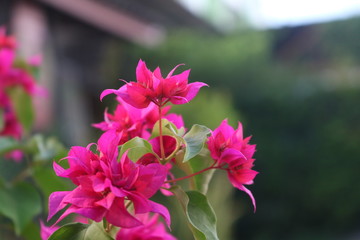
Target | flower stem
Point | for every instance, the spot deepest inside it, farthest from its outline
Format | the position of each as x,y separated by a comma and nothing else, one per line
162,151
108,227
191,175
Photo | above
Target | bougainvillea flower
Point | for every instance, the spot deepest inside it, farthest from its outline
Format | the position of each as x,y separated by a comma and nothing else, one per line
231,151
239,170
106,186
225,137
152,87
130,121
6,61
11,126
13,75
134,122
46,232
6,41
152,229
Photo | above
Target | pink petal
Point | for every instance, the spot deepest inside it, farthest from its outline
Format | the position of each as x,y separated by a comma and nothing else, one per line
100,183
107,92
173,70
82,198
96,214
6,59
225,129
55,202
117,191
180,79
194,89
178,100
151,178
166,192
152,229
80,157
107,201
232,157
239,132
128,110
163,211
102,126
244,176
16,155
59,171
249,151
119,216
85,182
175,119
248,192
141,204
45,232
157,73
108,144
136,96
143,74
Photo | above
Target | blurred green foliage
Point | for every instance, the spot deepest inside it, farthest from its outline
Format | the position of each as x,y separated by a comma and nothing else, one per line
301,109
25,186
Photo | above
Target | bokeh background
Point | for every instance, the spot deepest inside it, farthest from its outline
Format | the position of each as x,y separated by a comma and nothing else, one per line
288,70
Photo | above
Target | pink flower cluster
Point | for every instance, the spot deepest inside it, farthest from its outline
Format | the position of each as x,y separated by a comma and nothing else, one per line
13,76
234,154
132,122
106,187
116,189
152,87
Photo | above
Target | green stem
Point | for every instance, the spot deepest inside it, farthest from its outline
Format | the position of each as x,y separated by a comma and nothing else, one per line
162,151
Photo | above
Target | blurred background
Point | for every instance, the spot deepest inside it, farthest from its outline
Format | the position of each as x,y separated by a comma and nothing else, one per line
288,70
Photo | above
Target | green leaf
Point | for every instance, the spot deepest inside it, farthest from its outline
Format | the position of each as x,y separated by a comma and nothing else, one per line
31,232
199,162
45,149
20,203
47,181
80,231
184,201
10,170
168,128
8,144
195,140
22,103
136,148
199,213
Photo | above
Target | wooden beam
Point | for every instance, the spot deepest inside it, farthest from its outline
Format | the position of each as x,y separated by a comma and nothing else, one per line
112,20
